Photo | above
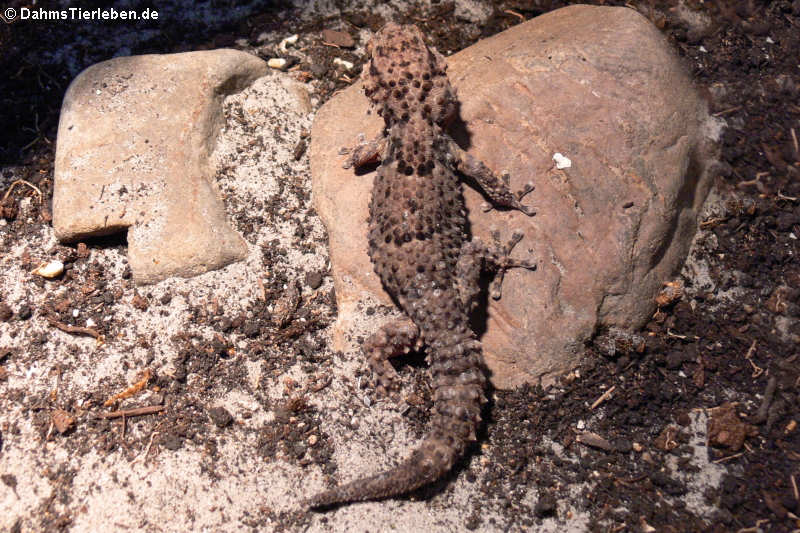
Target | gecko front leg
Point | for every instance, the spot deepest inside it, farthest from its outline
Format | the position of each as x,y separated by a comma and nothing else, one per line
366,152
495,187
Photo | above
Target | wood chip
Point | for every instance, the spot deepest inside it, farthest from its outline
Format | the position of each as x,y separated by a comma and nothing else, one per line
671,293
594,440
666,440
605,396
139,411
130,391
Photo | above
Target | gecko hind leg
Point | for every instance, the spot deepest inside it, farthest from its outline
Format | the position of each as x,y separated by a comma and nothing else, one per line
365,152
499,259
476,256
393,339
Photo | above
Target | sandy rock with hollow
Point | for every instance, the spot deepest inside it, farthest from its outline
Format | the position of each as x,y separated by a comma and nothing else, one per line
134,141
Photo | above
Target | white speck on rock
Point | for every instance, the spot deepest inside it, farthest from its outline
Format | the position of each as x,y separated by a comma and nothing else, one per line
561,161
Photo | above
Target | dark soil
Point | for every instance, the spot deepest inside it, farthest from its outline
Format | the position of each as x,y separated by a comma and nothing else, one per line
730,338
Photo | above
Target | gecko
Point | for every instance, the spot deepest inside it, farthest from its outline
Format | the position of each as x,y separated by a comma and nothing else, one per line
419,247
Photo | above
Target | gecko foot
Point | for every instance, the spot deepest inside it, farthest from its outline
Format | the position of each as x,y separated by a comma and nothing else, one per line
502,261
516,198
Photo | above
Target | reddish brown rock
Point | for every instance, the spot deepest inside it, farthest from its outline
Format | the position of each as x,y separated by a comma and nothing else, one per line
598,85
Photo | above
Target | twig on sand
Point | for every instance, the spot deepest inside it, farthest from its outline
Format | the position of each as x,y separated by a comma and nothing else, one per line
139,411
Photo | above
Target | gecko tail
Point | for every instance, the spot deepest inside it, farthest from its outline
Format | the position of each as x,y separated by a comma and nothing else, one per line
457,402
429,462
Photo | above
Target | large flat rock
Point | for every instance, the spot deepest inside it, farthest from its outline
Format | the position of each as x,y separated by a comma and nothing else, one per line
598,85
134,141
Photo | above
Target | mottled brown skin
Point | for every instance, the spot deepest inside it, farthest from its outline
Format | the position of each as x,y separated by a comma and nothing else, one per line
419,248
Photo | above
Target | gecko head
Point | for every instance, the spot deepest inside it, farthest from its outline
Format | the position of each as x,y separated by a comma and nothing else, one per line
405,79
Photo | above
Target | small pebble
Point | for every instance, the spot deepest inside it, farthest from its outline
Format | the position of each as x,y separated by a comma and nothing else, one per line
277,63
546,506
172,442
220,416
24,312
346,64
312,440
62,420
50,270
318,69
314,279
286,42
